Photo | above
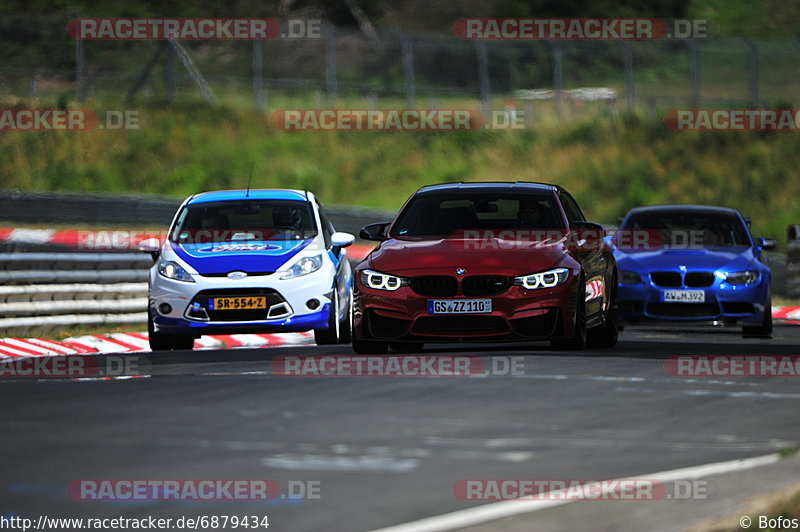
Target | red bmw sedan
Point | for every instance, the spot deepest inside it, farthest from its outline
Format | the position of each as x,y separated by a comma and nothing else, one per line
466,262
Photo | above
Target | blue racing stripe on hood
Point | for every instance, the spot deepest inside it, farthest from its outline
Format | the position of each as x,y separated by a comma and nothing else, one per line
251,256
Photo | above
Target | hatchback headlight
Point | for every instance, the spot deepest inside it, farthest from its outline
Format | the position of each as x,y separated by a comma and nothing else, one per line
303,267
745,277
174,271
382,281
547,279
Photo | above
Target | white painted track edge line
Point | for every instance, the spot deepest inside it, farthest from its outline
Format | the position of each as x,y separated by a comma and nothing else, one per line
498,510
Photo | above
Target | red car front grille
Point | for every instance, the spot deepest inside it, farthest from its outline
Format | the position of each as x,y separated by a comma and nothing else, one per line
485,285
434,285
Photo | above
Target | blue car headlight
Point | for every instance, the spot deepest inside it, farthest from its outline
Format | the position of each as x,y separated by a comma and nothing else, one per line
174,271
629,277
547,279
303,267
745,277
382,281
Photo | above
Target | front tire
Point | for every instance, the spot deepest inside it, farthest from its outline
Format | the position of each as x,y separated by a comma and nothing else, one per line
764,329
166,342
332,334
182,342
346,326
578,340
607,335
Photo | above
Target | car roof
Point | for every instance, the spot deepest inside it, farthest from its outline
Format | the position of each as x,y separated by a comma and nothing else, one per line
495,186
684,207
253,194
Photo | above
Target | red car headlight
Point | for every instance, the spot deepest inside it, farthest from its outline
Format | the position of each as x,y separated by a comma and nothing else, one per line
382,281
547,279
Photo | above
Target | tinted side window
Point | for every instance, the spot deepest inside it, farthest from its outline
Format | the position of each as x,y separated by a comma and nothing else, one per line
571,208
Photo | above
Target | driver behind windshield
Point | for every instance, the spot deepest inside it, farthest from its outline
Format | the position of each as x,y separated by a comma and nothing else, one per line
287,222
529,214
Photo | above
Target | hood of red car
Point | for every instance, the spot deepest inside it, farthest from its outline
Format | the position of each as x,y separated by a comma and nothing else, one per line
444,256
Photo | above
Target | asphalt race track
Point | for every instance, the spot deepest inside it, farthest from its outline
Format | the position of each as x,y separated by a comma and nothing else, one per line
388,450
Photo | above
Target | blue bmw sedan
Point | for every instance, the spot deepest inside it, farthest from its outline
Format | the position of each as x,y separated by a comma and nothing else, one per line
692,263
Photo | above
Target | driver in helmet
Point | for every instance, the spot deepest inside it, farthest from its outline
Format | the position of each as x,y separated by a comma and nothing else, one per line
287,222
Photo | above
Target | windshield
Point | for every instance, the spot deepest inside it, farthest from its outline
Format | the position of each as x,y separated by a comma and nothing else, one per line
682,228
230,221
438,215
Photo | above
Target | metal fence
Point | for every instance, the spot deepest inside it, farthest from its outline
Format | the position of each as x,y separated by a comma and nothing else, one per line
61,290
40,61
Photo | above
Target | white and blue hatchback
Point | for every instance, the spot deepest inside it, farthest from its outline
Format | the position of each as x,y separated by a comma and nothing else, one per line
258,261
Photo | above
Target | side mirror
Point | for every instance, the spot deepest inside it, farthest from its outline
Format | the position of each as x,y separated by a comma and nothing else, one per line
588,235
342,240
374,231
151,246
767,244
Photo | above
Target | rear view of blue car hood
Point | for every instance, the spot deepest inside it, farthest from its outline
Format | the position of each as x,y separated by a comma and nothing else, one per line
250,256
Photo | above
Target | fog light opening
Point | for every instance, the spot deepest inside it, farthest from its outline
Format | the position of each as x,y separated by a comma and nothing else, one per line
312,304
165,308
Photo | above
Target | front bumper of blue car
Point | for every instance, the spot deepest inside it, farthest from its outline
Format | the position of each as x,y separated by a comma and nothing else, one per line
721,301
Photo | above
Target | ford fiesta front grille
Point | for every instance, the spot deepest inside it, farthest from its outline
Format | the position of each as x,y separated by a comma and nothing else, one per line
249,274
277,306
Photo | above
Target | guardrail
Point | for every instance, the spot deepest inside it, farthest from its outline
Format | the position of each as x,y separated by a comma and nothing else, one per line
56,290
